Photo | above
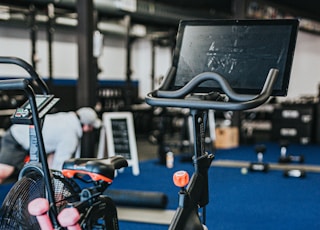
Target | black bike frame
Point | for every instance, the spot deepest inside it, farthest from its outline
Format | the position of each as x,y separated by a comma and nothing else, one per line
196,194
24,85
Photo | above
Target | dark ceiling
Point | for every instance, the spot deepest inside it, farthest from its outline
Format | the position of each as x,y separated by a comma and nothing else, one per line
167,13
311,7
223,5
306,8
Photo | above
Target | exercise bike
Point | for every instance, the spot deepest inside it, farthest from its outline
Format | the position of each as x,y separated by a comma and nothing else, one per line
194,194
47,199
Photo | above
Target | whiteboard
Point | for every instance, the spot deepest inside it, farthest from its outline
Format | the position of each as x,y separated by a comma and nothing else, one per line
118,135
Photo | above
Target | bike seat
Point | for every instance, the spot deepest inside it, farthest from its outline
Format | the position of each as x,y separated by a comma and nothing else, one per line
97,169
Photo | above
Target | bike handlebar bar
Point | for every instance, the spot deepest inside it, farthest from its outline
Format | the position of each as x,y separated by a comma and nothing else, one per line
24,85
240,101
14,84
34,75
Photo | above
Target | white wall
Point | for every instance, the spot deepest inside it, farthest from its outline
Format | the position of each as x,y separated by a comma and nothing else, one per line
113,59
15,42
305,74
12,45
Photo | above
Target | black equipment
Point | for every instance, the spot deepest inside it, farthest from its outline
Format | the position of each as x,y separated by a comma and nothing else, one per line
60,190
286,158
231,57
259,166
242,51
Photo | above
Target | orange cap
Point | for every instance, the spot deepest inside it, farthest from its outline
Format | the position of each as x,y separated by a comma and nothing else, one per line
181,178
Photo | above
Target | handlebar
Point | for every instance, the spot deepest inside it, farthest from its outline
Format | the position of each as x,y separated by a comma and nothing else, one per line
17,61
14,84
24,85
239,101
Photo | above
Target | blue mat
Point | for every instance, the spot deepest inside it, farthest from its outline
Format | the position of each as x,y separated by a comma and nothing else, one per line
237,201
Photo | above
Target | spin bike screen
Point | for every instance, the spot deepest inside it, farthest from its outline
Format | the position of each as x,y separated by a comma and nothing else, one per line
242,51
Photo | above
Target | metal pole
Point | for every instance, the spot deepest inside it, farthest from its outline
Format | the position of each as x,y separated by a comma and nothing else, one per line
87,81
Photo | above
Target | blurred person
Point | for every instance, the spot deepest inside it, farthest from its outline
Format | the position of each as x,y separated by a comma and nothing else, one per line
62,133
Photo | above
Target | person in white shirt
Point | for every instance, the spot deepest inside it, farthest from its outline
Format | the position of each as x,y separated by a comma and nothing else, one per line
61,132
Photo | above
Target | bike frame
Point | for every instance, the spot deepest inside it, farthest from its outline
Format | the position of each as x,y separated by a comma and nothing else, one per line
90,197
38,149
196,194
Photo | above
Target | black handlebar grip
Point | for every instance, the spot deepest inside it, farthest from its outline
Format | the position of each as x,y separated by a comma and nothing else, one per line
14,84
223,83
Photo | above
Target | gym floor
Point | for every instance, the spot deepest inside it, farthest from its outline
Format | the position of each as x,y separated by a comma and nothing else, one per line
238,200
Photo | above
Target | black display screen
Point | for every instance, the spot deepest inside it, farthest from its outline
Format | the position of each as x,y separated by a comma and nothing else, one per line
121,137
242,51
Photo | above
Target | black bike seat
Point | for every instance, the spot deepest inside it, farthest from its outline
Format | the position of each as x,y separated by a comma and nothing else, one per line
97,169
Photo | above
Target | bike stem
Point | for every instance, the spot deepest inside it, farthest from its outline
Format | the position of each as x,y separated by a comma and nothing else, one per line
201,159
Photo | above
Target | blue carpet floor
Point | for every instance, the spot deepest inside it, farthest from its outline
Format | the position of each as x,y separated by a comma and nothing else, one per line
252,201
237,201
